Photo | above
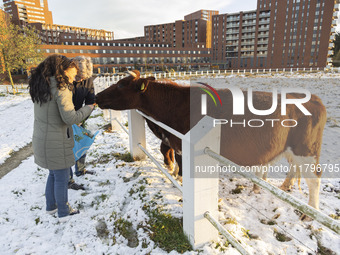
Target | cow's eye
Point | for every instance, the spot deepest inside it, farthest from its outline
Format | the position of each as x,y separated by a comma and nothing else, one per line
120,85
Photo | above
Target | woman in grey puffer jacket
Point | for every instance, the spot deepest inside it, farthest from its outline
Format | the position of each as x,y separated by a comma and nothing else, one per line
50,87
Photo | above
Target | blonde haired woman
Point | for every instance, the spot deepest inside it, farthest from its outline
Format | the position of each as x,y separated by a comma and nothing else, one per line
83,94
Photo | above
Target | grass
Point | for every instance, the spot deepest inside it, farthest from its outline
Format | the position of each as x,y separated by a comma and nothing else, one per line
281,237
133,177
238,189
167,232
127,157
125,228
37,220
268,222
101,184
106,158
231,221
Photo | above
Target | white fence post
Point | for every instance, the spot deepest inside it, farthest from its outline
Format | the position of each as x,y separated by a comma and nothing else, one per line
200,190
136,134
114,117
106,112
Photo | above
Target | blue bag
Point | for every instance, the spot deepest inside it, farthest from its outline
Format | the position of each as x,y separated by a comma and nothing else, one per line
83,139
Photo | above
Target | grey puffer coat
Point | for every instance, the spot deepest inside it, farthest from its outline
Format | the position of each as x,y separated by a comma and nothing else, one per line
52,133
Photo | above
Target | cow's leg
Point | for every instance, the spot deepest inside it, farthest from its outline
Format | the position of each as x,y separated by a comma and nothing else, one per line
307,166
179,163
291,175
168,155
289,181
313,182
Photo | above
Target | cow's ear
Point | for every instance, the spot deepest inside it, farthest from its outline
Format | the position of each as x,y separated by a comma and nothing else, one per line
142,84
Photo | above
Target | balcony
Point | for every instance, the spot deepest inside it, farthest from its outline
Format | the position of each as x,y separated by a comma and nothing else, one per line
264,15
263,29
264,21
233,44
248,36
233,25
248,49
247,55
231,38
247,24
248,43
232,50
248,30
233,32
262,48
263,41
263,35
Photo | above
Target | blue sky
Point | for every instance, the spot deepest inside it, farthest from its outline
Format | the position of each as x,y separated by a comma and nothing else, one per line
128,18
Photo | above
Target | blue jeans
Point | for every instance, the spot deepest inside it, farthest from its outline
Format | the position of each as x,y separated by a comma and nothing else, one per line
57,191
80,165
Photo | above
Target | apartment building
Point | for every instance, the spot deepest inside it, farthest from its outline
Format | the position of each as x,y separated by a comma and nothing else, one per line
29,11
69,35
36,13
121,55
193,31
279,34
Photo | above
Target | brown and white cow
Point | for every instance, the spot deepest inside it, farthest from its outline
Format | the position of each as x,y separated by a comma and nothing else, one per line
246,146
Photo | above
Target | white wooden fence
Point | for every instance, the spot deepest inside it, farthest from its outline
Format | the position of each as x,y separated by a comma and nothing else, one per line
113,78
200,195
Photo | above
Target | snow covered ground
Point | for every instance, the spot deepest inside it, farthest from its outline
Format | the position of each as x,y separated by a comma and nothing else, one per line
120,190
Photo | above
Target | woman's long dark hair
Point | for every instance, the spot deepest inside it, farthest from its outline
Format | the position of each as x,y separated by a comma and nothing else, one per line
39,81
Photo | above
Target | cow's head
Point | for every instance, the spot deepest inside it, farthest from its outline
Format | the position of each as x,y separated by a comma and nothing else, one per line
126,94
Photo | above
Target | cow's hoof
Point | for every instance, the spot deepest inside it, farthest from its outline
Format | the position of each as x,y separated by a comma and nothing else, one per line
170,168
305,218
257,190
176,170
285,188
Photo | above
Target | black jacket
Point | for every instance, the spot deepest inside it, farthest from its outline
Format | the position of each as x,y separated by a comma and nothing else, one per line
83,92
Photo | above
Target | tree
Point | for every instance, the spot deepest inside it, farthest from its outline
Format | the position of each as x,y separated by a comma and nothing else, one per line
19,48
336,50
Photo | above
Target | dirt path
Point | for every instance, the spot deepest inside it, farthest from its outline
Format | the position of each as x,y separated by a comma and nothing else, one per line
15,160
